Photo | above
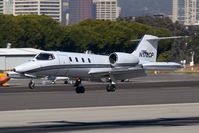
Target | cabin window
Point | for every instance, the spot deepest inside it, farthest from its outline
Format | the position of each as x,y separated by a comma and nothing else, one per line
45,56
70,59
76,59
89,60
83,60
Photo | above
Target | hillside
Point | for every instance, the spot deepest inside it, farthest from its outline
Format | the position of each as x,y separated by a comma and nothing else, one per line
145,7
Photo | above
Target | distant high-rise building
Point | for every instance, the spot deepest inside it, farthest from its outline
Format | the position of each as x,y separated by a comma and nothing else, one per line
107,9
65,12
52,8
1,6
191,7
8,6
181,11
80,10
175,11
186,12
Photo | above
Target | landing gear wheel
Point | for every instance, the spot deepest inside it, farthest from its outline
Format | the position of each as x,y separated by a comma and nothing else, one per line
80,89
31,84
53,82
110,88
66,82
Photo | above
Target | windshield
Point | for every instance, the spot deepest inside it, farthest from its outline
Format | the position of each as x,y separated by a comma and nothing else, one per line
45,56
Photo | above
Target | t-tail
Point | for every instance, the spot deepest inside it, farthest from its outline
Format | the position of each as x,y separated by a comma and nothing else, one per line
146,50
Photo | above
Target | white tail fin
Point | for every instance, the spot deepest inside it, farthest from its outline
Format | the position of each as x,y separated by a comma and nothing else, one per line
146,50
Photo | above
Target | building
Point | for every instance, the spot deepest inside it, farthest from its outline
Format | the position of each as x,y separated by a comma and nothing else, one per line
186,12
191,8
11,57
52,8
1,6
80,10
8,6
175,11
107,9
65,12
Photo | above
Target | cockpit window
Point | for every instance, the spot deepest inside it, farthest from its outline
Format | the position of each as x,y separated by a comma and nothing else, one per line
45,56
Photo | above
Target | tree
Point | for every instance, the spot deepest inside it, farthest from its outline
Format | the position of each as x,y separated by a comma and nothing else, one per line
108,36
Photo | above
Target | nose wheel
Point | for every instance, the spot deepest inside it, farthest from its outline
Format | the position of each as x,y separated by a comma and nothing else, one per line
31,84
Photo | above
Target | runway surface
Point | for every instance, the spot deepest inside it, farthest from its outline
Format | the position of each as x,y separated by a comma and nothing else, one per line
159,89
152,104
175,118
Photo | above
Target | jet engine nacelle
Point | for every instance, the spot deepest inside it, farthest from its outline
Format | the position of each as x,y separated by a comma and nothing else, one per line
123,59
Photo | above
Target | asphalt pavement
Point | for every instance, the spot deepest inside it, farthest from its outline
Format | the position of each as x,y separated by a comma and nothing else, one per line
152,104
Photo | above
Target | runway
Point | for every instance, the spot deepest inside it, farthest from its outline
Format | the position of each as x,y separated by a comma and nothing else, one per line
158,89
176,118
157,103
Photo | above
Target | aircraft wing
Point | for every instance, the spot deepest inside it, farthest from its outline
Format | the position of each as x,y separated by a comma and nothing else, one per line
161,66
117,73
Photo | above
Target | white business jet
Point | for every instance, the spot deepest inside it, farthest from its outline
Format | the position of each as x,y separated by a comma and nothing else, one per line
80,66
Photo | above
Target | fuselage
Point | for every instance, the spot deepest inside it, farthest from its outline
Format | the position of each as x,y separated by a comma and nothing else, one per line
72,65
63,64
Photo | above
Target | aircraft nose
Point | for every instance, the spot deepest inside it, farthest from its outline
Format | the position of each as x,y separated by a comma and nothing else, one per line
21,68
26,67
17,69
14,69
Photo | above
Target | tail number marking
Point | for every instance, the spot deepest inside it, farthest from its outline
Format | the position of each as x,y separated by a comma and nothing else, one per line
146,54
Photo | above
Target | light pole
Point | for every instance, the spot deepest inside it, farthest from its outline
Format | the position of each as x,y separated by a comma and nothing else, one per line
192,59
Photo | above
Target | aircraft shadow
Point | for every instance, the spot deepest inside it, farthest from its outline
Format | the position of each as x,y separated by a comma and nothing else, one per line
55,126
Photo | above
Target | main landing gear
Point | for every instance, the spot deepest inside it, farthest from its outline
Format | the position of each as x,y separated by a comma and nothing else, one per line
79,87
31,84
111,86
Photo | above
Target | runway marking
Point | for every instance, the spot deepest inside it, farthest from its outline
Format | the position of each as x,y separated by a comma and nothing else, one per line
37,118
106,107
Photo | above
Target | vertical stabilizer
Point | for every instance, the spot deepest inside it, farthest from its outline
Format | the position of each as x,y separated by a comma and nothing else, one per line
146,50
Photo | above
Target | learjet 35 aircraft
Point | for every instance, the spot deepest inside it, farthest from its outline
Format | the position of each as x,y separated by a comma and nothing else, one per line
80,66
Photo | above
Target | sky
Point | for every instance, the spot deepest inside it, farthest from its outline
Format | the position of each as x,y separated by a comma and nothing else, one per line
145,7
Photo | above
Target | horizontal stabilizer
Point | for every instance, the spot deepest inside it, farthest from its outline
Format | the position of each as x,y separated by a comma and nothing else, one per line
166,38
161,38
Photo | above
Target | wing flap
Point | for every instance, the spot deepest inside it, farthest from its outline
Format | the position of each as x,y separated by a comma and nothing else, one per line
117,73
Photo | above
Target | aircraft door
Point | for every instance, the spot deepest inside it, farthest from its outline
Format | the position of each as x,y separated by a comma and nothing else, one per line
63,60
63,63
